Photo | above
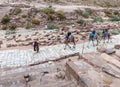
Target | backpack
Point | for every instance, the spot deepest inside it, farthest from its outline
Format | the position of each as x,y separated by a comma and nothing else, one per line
91,35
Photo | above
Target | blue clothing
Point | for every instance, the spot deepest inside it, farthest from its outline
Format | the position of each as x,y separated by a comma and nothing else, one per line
92,35
106,30
94,31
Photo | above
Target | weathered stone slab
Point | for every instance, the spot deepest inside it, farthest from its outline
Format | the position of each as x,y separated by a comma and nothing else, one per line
116,83
98,62
93,71
94,59
92,79
110,60
117,53
107,79
85,74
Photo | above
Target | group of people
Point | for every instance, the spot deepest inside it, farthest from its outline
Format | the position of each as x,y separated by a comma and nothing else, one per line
68,35
105,33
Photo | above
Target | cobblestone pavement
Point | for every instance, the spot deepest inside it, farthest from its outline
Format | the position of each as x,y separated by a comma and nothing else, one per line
17,58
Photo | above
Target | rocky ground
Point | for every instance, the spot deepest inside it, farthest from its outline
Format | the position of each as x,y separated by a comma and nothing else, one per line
22,37
17,58
44,75
99,68
96,70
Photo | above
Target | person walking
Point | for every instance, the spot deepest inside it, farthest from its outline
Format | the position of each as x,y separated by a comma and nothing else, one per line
36,46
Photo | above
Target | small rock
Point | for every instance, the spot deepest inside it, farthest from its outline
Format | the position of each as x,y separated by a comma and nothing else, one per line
19,35
117,46
109,51
101,49
50,62
60,75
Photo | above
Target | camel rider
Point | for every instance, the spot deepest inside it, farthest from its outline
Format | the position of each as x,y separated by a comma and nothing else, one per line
94,32
68,35
105,32
91,35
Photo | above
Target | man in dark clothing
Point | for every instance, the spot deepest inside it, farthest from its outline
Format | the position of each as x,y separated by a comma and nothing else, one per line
36,46
105,32
68,35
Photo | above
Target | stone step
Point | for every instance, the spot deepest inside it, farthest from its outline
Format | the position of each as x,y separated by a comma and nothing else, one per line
111,60
85,74
94,59
117,53
98,62
90,73
116,57
92,79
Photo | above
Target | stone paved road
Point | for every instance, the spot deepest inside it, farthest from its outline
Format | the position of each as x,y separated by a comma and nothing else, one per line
16,58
